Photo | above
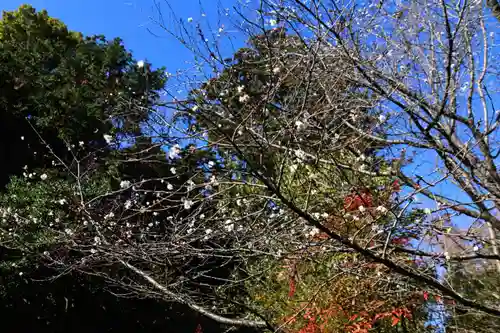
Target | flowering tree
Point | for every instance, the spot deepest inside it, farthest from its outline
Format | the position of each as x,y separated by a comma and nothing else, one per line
328,163
426,72
432,67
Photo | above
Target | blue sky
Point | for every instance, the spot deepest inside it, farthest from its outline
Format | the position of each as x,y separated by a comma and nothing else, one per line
128,19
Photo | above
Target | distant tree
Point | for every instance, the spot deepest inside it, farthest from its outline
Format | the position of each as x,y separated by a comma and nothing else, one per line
67,89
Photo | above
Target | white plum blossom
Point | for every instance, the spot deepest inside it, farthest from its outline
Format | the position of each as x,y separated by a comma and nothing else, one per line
125,184
108,216
273,22
173,170
128,204
362,208
476,248
68,232
300,154
300,125
244,98
240,89
382,209
188,204
211,164
43,176
314,232
108,138
382,118
140,63
427,211
276,70
190,19
229,226
447,255
293,168
62,202
170,187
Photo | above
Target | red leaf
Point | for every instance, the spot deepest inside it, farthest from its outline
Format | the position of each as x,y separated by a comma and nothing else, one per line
395,186
395,321
291,287
426,295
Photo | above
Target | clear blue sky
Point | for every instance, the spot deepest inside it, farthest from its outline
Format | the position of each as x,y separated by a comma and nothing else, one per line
128,19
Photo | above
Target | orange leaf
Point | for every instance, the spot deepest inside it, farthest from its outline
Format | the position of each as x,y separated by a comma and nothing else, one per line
395,321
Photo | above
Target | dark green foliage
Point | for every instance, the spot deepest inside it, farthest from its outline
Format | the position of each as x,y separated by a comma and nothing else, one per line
65,88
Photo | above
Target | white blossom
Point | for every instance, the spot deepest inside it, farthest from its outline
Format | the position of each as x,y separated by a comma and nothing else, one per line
191,185
476,248
300,154
125,184
276,70
314,232
300,125
62,201
240,89
170,187
190,19
188,204
382,209
382,118
362,208
128,204
229,226
43,176
272,22
108,216
427,211
173,170
108,138
244,98
140,63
